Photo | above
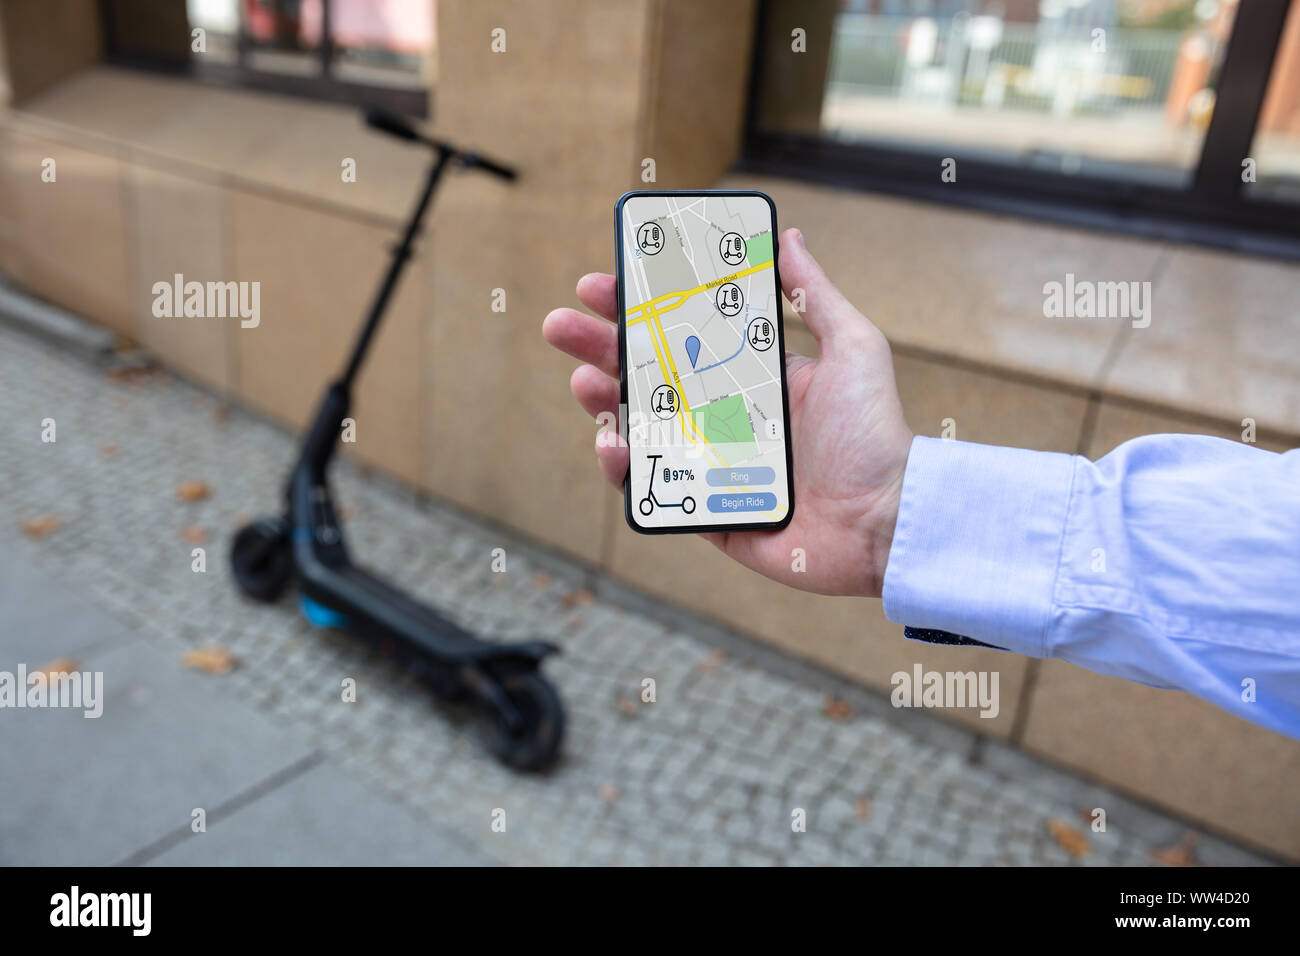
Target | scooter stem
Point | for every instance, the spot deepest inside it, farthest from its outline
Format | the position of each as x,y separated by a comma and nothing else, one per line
400,255
322,436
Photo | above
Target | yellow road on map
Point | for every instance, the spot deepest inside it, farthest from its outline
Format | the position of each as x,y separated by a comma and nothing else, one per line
652,308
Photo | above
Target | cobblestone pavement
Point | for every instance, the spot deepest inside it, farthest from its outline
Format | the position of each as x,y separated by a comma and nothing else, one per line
710,773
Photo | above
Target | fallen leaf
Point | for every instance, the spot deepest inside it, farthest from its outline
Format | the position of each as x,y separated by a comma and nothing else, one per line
576,597
193,534
108,450
193,490
40,527
221,413
60,665
213,659
627,705
862,809
541,580
710,663
836,708
127,374
609,794
1068,838
1182,853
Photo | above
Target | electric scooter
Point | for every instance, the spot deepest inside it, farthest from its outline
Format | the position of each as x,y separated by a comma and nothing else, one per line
306,545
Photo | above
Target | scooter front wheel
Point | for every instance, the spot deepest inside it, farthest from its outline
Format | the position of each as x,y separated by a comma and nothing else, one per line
261,560
534,743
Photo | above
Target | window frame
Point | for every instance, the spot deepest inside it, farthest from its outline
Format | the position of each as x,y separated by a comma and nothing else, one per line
1211,209
323,85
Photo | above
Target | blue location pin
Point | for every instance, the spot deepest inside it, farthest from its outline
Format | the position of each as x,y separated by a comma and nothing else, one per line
693,348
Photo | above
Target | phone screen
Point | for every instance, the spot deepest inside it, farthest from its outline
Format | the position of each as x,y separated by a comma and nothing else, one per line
705,413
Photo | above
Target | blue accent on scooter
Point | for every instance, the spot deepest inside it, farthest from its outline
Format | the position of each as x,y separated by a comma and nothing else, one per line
320,615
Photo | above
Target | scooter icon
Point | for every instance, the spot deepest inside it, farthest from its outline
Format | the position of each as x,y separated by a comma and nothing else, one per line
650,502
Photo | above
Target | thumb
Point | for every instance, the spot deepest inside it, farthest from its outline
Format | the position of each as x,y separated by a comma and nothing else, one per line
823,307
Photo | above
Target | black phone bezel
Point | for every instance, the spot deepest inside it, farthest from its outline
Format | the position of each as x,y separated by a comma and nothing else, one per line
622,364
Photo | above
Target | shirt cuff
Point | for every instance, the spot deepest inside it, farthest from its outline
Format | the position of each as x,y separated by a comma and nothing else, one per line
978,542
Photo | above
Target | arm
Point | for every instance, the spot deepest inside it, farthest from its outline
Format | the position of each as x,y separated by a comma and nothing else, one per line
1174,561
1199,538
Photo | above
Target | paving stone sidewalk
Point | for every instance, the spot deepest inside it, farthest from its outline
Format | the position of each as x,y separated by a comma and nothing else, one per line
710,773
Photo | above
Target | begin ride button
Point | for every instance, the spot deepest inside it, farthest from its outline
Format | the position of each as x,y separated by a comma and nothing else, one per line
742,501
758,475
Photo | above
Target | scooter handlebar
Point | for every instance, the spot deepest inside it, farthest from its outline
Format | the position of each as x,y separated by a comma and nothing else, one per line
396,125
475,161
392,124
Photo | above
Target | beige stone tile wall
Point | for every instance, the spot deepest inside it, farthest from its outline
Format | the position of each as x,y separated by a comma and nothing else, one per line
11,251
695,100
46,40
307,155
584,92
124,107
961,283
1224,340
562,103
317,273
70,236
178,226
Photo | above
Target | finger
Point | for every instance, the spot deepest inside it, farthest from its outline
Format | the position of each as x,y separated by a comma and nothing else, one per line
595,391
826,311
599,292
613,458
585,337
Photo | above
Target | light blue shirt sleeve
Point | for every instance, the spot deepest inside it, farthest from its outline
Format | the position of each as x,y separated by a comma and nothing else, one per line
1174,561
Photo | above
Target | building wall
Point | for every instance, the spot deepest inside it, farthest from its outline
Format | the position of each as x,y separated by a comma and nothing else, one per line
46,40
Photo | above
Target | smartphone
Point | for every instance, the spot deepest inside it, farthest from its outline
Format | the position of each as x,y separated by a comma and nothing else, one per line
705,408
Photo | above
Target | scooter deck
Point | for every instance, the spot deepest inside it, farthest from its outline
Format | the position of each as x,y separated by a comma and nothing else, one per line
372,605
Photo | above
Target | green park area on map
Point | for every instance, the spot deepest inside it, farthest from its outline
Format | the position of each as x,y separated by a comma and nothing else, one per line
759,249
725,422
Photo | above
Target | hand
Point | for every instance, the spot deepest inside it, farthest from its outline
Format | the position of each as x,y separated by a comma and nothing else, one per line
850,441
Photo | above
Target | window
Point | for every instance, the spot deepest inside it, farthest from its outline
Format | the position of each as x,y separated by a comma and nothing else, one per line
365,52
1276,149
1127,114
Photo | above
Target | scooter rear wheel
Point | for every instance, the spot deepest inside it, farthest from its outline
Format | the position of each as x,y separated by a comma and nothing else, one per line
260,559
534,745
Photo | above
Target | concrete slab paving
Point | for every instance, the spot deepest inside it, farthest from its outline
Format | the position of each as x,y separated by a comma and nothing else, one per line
324,817
92,791
44,617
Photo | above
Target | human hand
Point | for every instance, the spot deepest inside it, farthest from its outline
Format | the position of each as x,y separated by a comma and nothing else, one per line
848,435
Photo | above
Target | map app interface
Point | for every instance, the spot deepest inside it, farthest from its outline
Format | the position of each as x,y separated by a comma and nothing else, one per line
703,361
